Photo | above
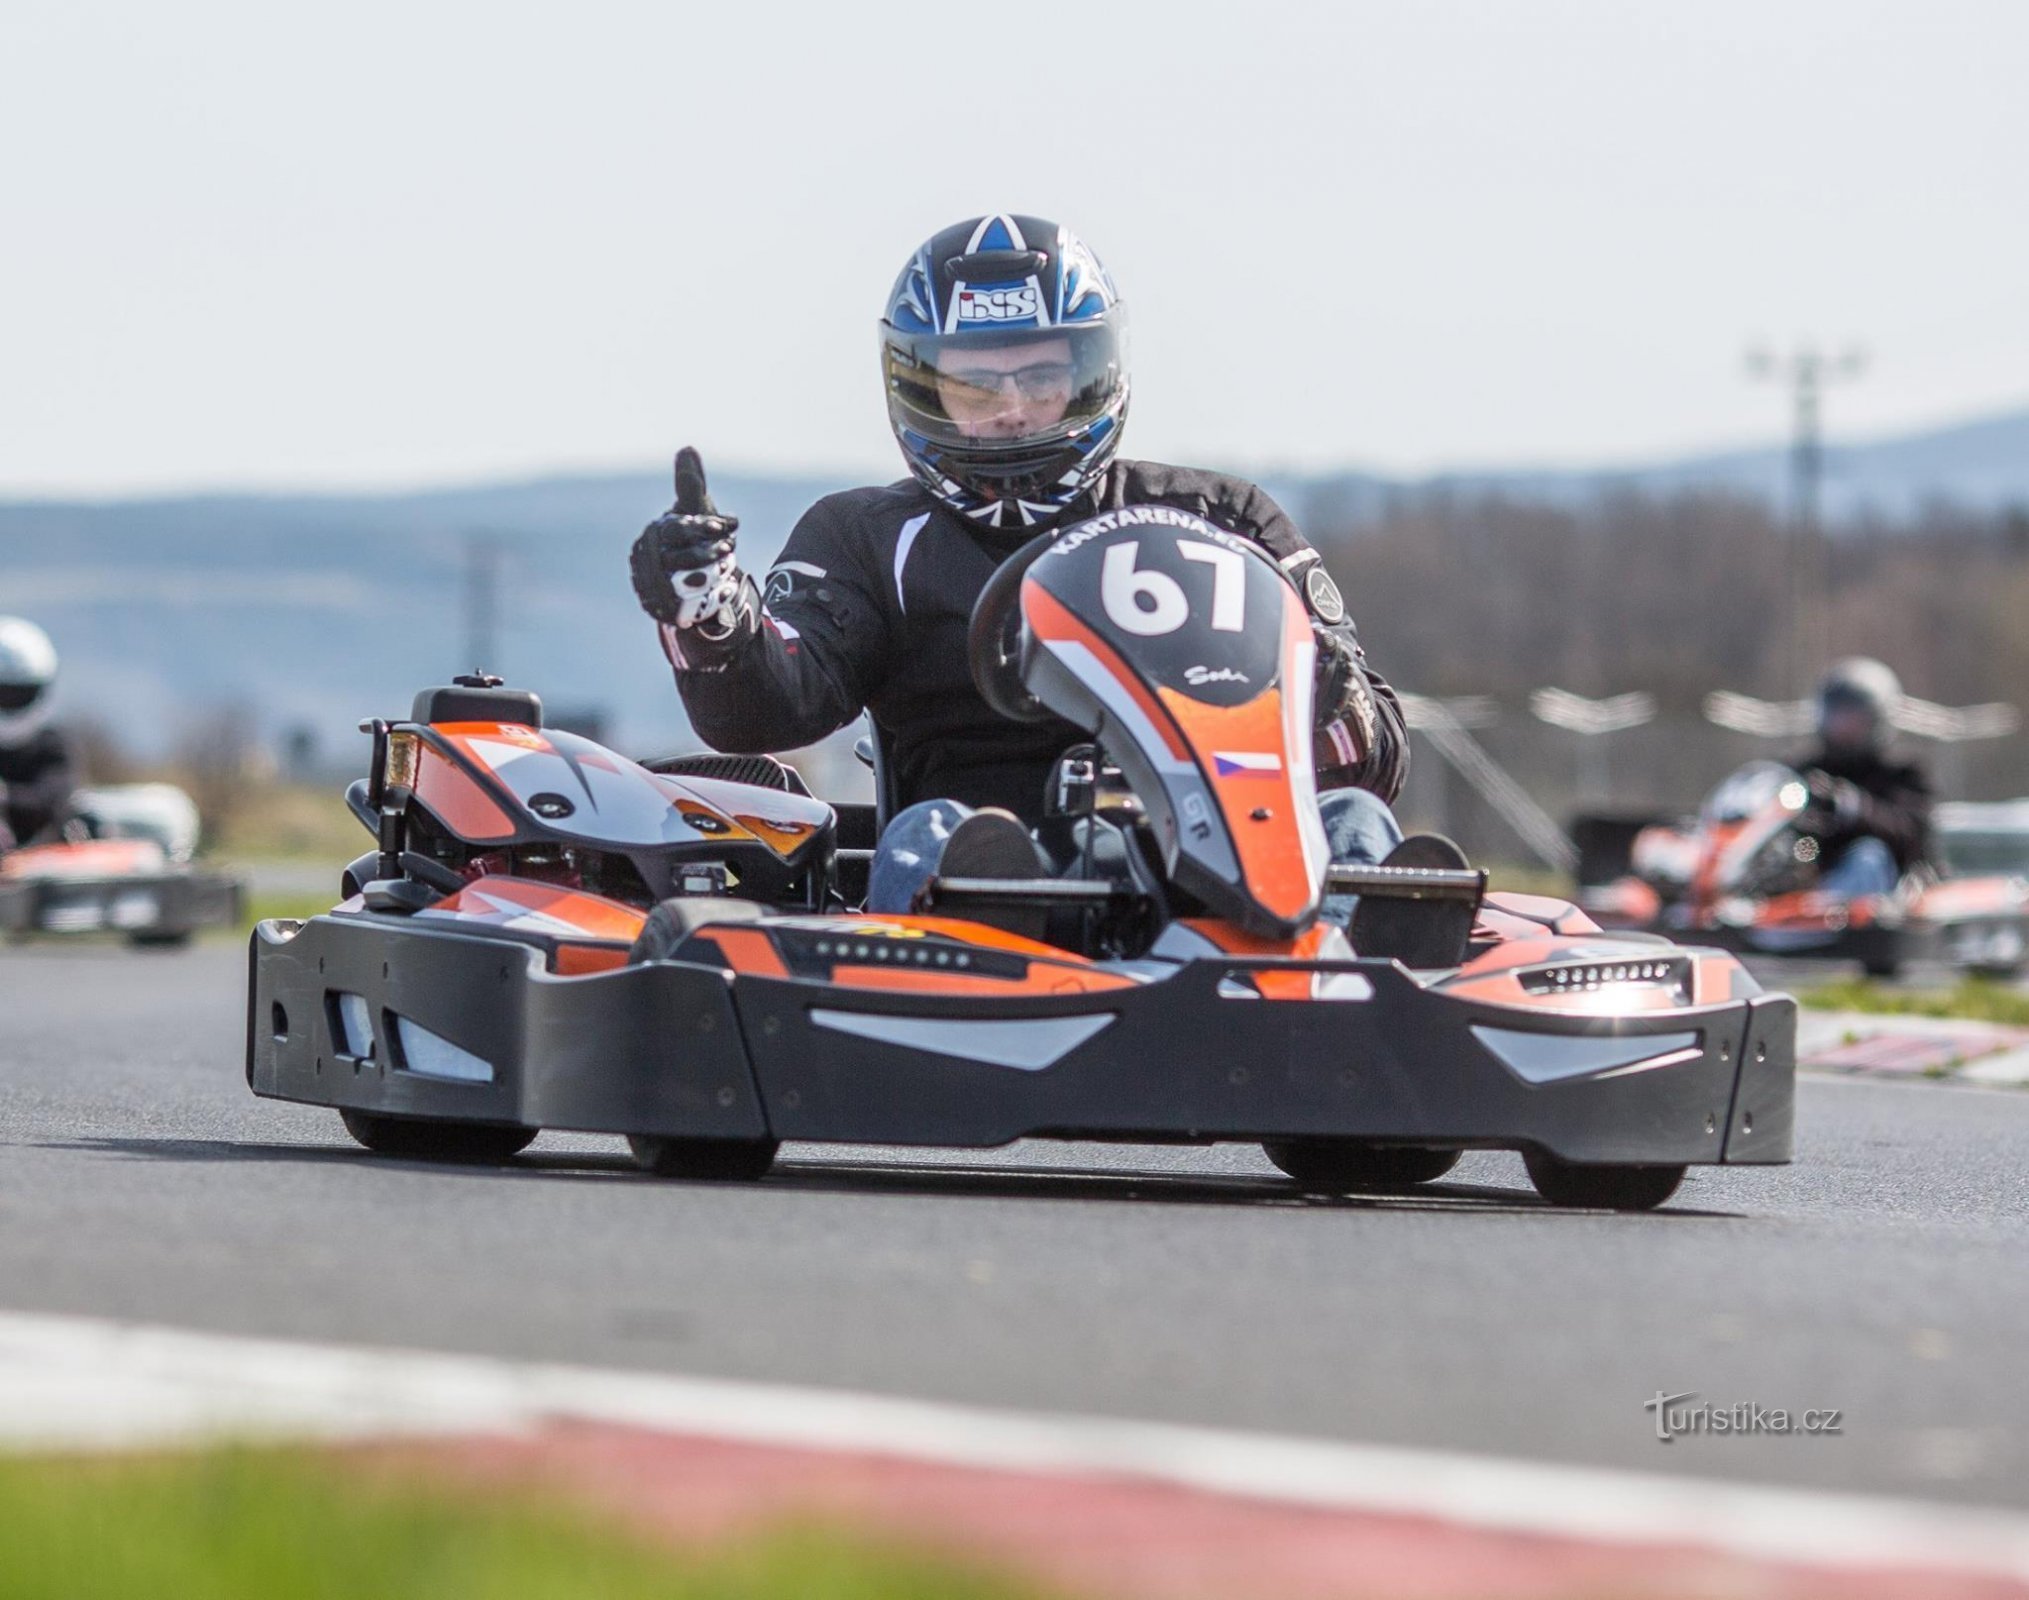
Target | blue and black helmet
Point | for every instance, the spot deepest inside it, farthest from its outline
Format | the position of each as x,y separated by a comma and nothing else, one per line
1004,355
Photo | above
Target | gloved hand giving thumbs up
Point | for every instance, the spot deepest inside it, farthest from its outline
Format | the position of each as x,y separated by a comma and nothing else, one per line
685,574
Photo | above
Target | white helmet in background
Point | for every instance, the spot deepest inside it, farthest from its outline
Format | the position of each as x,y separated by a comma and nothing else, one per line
27,669
1857,702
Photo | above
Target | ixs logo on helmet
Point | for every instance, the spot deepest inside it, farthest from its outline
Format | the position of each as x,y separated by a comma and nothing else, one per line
999,305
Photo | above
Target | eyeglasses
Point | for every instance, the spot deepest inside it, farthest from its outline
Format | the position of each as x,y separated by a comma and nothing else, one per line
1035,382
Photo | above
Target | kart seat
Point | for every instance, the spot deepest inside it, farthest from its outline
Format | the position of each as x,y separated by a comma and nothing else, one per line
478,700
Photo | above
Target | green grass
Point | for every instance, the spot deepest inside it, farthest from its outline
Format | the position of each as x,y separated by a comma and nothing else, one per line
1972,1000
1513,877
262,907
283,1525
289,822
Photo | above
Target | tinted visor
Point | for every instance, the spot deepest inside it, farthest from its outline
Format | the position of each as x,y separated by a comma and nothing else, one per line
20,696
1009,390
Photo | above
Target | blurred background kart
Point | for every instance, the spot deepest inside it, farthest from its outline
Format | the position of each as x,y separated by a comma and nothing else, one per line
122,862
1745,873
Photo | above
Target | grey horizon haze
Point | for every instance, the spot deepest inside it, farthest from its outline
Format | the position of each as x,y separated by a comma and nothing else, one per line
250,246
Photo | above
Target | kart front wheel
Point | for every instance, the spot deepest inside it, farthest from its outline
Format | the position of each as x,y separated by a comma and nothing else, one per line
1604,1187
708,1160
419,1139
1338,1165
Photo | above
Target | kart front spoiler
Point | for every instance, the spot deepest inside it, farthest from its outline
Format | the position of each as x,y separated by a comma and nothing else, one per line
166,905
677,1049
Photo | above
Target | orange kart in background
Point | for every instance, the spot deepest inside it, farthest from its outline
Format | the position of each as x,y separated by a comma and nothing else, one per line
1744,875
548,935
121,865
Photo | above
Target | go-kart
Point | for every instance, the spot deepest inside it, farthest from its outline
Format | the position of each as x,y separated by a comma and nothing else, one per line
1744,874
119,861
549,935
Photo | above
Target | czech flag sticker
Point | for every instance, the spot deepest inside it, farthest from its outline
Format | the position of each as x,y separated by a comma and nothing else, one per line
1246,763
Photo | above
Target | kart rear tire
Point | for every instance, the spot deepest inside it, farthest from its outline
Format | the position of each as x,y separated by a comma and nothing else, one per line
1339,1166
1601,1187
704,1160
481,1144
673,921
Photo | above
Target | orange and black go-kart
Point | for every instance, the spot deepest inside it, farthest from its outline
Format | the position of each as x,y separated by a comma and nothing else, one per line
120,862
549,935
1744,874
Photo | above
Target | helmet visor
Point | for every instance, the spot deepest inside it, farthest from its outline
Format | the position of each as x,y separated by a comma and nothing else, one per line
1005,391
1848,719
19,696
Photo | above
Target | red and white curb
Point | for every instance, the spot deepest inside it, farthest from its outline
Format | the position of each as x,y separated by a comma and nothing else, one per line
1913,1047
70,1383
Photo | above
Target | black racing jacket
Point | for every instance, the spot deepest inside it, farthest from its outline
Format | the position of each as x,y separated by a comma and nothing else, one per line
1896,809
37,778
868,608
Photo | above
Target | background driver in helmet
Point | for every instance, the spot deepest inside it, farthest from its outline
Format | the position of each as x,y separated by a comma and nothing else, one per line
1004,360
1871,813
37,770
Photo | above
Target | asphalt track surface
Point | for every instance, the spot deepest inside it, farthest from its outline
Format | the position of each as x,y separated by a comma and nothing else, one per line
1886,1274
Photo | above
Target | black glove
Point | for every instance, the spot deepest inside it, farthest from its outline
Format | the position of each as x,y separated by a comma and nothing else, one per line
1835,807
683,567
1341,693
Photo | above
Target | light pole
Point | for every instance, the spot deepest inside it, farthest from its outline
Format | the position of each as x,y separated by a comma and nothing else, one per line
482,603
1592,721
1806,370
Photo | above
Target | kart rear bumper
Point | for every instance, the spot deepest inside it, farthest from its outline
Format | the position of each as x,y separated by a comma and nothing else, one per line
159,905
686,1050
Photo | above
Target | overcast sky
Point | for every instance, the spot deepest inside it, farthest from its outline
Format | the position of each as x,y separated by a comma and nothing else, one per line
251,243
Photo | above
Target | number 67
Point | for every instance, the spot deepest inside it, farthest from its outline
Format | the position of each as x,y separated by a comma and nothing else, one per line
1146,602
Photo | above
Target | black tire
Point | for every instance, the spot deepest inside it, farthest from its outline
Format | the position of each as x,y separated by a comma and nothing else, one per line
707,1160
1342,1165
484,1144
1885,970
1604,1187
674,921
704,1160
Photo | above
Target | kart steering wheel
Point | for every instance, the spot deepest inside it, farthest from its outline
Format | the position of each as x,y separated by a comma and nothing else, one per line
993,639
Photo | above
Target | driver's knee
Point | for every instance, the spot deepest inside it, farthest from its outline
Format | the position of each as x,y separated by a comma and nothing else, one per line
1865,867
1358,826
910,847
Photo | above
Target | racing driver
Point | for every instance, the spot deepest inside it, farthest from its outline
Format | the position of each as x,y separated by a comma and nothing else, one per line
1871,813
37,769
1004,360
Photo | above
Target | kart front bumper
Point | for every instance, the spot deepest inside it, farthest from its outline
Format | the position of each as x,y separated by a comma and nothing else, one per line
163,905
381,1015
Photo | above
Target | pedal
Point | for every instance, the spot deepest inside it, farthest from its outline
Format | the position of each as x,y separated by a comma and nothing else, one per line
1408,883
1412,909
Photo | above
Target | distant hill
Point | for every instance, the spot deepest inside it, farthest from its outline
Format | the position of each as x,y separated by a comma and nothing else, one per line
315,610
1979,465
